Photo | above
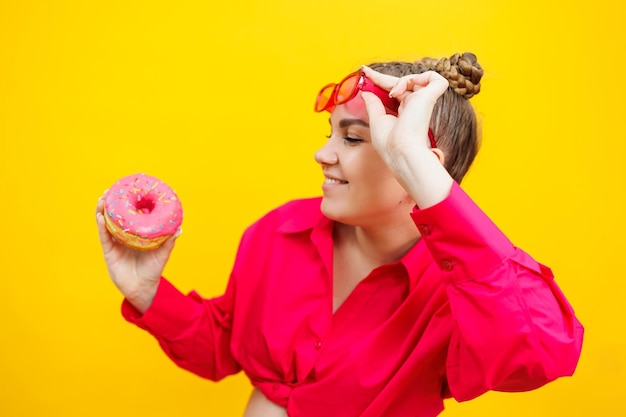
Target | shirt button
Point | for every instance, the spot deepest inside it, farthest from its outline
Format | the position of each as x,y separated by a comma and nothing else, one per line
447,265
318,345
424,229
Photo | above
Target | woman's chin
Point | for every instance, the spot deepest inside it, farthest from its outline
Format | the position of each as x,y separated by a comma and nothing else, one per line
338,212
332,209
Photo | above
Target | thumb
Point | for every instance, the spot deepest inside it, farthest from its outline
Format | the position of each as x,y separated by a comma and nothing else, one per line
373,105
380,122
163,252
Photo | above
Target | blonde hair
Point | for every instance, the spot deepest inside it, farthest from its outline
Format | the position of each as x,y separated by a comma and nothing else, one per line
453,121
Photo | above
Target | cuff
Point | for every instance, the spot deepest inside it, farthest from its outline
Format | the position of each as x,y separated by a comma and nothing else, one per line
462,239
169,312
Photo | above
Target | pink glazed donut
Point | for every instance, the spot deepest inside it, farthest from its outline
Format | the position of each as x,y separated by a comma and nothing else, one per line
141,212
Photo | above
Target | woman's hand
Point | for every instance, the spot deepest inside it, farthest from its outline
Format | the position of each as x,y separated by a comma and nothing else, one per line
417,94
402,140
135,273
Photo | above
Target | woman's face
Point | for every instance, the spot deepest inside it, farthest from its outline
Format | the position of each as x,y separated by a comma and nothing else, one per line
359,189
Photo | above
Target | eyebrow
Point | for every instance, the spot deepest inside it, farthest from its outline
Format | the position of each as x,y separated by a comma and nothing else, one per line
343,123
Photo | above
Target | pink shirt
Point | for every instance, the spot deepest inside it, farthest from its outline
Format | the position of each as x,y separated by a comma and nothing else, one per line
463,312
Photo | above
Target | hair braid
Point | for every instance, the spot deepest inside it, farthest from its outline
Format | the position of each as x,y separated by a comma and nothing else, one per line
462,71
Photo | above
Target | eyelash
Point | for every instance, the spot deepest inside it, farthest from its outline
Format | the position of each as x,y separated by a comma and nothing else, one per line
349,139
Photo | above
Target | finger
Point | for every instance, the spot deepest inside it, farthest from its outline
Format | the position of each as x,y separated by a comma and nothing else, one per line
382,80
106,240
408,84
169,242
100,205
163,252
432,81
373,105
380,122
435,82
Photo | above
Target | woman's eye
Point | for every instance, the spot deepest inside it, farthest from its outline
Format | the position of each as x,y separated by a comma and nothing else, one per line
352,140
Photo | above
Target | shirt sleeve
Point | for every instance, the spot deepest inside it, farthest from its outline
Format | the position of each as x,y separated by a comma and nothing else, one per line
194,332
513,328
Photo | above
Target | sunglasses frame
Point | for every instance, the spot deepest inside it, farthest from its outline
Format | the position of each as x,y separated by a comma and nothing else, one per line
363,84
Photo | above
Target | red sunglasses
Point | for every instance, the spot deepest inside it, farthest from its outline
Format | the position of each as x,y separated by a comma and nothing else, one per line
332,95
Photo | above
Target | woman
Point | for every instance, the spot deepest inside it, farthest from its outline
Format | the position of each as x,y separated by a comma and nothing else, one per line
391,292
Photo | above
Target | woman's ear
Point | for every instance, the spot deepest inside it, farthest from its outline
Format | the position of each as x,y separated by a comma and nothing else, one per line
440,155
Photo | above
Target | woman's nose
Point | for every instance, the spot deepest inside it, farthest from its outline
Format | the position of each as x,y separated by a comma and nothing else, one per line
326,155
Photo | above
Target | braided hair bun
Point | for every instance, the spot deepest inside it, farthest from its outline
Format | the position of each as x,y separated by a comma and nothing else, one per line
462,71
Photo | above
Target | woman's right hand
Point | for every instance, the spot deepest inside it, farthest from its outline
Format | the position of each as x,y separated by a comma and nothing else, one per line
135,273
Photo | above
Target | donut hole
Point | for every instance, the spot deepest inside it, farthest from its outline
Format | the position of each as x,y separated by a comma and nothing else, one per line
145,204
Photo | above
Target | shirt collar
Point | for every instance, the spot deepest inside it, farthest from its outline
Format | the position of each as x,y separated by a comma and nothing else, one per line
415,261
307,217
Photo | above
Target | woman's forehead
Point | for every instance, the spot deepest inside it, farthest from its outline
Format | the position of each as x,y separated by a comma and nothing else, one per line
353,109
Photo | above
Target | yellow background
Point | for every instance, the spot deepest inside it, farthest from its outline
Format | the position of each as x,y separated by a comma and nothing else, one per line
215,99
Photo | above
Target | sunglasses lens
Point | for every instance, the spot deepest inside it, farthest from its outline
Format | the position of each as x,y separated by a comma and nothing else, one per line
348,88
324,97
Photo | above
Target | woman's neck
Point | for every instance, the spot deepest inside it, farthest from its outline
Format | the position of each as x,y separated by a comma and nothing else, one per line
380,245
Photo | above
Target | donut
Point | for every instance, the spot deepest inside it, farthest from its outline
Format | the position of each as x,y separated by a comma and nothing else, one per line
141,212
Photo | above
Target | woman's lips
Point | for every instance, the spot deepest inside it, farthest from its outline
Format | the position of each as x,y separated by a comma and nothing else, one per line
334,181
330,183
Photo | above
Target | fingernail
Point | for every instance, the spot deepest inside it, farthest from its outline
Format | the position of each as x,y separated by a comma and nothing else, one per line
393,90
178,232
